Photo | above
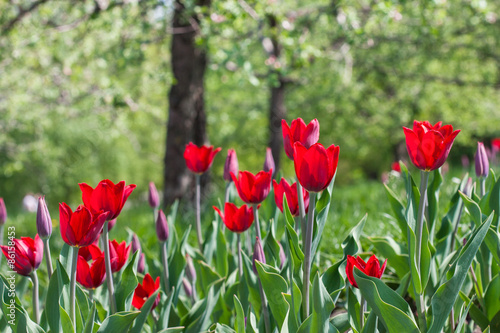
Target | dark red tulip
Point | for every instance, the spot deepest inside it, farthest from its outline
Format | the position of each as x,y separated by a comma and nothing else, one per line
428,145
107,197
118,254
291,196
231,164
25,256
145,290
91,252
253,189
199,159
80,228
370,268
316,166
396,167
3,212
93,275
153,196
299,132
236,219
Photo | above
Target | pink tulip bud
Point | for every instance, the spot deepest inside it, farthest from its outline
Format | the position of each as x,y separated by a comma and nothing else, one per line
136,245
187,287
258,254
190,271
231,165
153,197
43,221
282,256
269,161
481,161
141,265
3,212
162,226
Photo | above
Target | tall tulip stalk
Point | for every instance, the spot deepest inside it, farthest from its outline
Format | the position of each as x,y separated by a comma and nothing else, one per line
162,233
44,228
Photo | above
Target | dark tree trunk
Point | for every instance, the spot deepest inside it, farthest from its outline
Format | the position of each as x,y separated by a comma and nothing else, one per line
186,113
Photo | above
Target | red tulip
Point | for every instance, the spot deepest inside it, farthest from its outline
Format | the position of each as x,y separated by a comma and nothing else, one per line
91,252
316,166
396,167
91,276
107,197
144,291
25,256
199,159
299,132
370,268
253,189
291,196
118,254
80,228
428,145
236,219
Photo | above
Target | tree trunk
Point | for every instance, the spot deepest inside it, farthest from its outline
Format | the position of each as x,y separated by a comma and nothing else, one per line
186,112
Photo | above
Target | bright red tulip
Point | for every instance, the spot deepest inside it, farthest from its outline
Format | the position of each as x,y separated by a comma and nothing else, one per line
495,144
107,197
199,159
91,252
428,145
236,219
316,166
144,291
25,256
118,254
80,228
299,132
93,275
291,196
253,189
370,268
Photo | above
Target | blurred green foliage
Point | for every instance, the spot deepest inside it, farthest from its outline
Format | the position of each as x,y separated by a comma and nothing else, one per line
83,89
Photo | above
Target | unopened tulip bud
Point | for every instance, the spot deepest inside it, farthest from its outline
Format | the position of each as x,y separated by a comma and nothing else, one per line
153,197
136,245
3,212
162,226
141,265
269,161
258,254
188,289
190,271
481,161
43,221
231,165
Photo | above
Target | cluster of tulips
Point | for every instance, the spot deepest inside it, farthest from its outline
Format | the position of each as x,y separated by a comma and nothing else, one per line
273,290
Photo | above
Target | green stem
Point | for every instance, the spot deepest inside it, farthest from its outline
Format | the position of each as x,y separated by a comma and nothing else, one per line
109,273
36,307
91,295
240,265
307,253
452,320
265,311
228,187
362,312
424,178
198,213
48,259
164,257
479,292
72,299
256,222
482,188
302,211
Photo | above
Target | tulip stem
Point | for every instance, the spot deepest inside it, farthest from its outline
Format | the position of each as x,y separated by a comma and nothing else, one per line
302,211
265,311
72,299
164,257
228,188
198,213
257,224
482,190
307,253
240,265
424,177
48,259
362,304
36,307
109,273
91,295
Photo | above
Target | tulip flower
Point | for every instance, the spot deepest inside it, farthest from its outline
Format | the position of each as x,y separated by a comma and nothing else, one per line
145,290
298,131
3,212
269,162
482,166
199,159
93,275
370,268
80,228
236,219
429,145
25,256
495,144
283,188
315,166
253,189
231,165
153,197
44,228
118,253
91,252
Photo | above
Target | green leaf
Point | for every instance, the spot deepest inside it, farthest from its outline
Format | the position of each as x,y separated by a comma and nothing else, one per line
433,199
178,329
395,253
492,297
140,320
240,316
391,309
444,298
353,310
198,318
322,307
126,286
322,209
463,315
118,322
221,328
66,324
341,322
89,323
221,257
293,240
398,209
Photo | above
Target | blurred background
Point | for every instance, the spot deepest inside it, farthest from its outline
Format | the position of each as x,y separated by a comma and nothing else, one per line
89,88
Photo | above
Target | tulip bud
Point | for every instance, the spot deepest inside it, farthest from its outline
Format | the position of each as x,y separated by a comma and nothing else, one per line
258,254
153,197
464,241
481,161
282,256
162,226
190,271
269,161
141,265
136,245
188,289
3,212
43,221
231,164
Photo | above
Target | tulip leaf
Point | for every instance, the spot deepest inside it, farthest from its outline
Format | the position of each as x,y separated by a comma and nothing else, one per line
395,253
322,209
66,324
221,328
341,322
391,309
353,310
178,329
140,320
89,323
221,257
433,199
443,300
475,313
165,310
492,297
398,209
126,286
494,202
463,315
240,315
322,307
272,247
118,322
296,253
198,318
